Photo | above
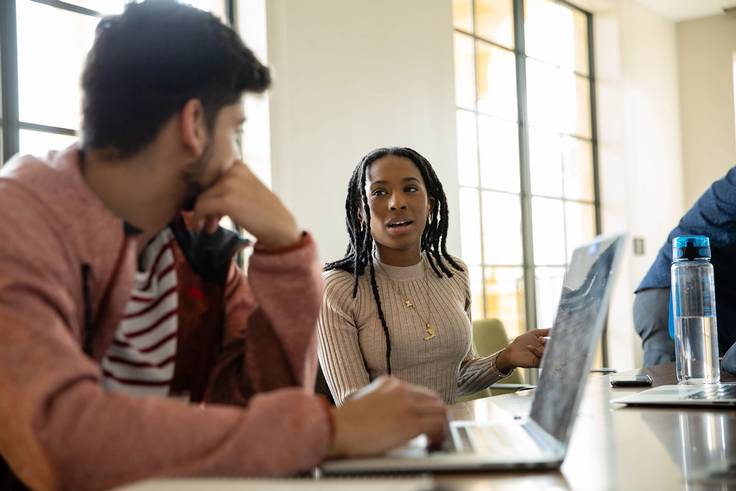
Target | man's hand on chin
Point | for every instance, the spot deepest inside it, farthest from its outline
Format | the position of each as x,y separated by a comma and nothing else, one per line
239,194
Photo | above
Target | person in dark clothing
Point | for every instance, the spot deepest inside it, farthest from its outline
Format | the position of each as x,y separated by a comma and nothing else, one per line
712,215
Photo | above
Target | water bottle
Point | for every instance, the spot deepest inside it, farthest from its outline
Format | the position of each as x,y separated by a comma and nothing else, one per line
694,308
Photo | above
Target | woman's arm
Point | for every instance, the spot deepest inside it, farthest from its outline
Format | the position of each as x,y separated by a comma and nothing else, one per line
339,348
477,373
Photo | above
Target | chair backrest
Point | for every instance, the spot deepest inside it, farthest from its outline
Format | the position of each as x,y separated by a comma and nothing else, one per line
490,336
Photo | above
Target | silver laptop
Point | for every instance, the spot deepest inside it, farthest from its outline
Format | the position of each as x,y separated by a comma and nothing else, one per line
540,441
684,395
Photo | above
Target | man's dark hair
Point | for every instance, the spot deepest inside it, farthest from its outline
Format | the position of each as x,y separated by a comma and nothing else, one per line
146,63
360,248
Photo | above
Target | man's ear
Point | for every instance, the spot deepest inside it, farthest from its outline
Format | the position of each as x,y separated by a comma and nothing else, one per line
193,127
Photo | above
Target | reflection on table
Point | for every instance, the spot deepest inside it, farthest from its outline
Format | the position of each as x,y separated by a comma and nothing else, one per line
613,447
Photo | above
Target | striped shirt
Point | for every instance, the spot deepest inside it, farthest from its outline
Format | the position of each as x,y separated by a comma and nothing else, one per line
141,358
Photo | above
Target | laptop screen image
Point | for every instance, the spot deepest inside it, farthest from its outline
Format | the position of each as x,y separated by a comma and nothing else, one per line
577,327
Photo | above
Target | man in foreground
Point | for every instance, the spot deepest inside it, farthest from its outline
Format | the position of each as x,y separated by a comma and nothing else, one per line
127,335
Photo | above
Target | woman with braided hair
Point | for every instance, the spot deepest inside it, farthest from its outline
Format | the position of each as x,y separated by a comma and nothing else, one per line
398,303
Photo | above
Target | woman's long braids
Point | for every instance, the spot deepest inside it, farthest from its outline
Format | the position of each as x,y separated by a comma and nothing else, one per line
358,221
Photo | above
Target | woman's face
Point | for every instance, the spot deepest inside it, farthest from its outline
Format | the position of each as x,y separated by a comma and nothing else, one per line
399,204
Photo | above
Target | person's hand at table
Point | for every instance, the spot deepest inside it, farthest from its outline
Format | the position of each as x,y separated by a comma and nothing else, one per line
525,351
384,415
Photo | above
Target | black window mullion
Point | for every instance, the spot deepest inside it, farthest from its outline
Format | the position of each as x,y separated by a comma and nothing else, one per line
594,128
477,37
572,6
9,75
231,13
596,170
530,293
477,188
69,7
46,128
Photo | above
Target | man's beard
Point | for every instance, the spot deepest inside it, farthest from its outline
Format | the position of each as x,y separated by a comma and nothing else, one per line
193,175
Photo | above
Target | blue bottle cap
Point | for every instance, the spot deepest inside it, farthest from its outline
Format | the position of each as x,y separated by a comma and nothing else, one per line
690,247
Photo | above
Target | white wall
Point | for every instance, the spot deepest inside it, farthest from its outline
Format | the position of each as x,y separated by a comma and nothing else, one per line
350,76
706,50
639,148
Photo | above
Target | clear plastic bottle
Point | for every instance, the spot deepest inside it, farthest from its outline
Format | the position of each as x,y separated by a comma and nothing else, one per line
694,308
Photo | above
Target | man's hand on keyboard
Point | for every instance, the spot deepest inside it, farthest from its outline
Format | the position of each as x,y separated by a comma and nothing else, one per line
385,414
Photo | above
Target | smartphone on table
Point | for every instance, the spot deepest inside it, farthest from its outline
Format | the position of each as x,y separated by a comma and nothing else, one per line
631,380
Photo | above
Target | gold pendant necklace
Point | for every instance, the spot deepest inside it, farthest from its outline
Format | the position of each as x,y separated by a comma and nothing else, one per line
429,329
430,332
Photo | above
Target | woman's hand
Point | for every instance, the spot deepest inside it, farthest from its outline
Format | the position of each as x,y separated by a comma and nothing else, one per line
525,351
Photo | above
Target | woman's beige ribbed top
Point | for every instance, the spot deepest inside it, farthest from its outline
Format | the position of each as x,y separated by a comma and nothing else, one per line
352,345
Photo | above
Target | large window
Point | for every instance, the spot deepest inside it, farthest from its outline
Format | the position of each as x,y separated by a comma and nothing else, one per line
526,152
41,94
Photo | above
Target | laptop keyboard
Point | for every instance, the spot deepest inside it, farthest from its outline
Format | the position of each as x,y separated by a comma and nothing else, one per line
715,392
501,439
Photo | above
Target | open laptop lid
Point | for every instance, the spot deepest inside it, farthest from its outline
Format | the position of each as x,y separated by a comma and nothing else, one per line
578,324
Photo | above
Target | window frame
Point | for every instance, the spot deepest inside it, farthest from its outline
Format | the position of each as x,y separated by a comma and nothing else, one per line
10,122
525,192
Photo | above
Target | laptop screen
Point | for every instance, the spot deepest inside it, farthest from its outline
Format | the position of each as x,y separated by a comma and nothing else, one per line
577,327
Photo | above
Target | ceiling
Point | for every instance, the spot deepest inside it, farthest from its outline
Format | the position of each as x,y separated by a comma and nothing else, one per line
678,10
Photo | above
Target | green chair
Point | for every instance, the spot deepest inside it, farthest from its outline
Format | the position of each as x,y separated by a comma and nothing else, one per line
489,336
